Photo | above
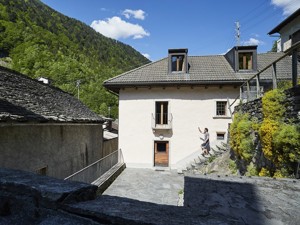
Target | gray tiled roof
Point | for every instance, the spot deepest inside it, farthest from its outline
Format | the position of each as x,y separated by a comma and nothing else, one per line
203,70
23,99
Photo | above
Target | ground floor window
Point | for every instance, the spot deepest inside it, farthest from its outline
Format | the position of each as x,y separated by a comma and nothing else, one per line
220,135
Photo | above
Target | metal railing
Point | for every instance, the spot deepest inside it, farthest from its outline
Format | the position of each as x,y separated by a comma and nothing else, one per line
162,121
251,88
98,168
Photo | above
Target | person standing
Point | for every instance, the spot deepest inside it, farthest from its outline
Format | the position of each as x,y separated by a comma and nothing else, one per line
205,145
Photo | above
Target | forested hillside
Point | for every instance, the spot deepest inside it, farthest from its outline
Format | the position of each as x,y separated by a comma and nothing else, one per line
38,41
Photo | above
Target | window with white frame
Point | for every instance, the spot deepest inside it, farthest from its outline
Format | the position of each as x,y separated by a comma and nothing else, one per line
221,108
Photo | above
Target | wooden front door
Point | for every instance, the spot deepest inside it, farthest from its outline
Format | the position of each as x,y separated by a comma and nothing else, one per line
161,153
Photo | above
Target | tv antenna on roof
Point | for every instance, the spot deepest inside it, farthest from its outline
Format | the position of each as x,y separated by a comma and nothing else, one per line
238,33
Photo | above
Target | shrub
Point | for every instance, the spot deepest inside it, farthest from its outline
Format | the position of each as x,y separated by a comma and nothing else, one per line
241,136
267,129
251,170
287,146
264,172
280,141
272,105
281,173
232,166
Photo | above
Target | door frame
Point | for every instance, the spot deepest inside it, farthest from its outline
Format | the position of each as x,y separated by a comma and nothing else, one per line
167,152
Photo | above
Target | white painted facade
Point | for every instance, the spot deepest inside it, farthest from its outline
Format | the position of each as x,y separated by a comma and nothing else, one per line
286,32
190,108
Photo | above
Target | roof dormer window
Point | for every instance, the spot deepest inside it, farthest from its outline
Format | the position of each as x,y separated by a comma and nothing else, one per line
178,60
245,60
178,63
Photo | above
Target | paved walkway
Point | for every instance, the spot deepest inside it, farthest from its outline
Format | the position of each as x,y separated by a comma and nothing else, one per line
160,187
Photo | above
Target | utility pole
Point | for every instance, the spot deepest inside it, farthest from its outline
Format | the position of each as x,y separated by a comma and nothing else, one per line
78,85
238,33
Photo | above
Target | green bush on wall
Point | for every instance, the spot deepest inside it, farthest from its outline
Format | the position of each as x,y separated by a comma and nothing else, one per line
280,140
241,140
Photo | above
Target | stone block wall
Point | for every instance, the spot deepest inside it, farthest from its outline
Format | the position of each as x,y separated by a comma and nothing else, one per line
292,105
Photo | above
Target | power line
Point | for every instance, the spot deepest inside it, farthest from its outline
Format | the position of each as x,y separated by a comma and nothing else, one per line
251,11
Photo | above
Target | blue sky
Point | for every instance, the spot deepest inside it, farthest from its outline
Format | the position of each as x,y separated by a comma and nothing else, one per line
205,27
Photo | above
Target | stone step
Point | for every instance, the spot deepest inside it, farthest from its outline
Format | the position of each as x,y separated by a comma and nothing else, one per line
216,152
221,148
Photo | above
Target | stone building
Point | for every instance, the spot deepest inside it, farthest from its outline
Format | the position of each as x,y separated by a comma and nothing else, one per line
44,129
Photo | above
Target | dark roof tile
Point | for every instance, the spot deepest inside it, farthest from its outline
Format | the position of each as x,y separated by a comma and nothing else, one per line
23,99
202,70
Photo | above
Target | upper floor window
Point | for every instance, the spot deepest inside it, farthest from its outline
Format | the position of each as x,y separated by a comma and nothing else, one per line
161,112
221,108
245,61
178,61
243,58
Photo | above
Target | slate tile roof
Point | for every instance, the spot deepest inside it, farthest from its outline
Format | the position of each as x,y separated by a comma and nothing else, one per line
23,99
202,70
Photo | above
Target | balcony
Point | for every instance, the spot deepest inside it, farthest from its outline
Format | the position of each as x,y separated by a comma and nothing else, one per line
161,121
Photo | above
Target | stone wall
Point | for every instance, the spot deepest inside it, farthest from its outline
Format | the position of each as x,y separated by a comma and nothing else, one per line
51,149
109,146
27,198
292,105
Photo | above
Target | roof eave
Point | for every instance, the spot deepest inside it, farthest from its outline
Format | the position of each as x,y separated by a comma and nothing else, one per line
284,22
115,87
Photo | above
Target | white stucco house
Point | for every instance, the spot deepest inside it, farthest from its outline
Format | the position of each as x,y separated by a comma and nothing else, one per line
161,104
289,30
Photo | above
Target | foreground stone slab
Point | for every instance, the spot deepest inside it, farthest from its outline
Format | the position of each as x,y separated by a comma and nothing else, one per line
47,189
119,210
27,198
255,200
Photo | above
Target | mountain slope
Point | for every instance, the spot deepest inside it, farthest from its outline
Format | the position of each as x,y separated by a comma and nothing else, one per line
39,41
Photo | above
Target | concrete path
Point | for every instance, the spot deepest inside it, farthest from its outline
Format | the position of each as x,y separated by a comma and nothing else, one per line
160,187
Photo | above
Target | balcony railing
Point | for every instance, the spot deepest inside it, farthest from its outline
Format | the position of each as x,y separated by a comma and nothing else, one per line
287,45
161,121
251,89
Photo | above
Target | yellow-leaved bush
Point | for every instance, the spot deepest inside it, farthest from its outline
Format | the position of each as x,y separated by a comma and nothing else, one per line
267,130
280,140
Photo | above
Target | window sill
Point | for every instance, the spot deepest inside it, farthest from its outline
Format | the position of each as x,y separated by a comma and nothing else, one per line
221,117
